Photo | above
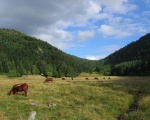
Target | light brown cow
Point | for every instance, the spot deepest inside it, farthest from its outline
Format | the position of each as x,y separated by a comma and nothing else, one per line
18,88
48,80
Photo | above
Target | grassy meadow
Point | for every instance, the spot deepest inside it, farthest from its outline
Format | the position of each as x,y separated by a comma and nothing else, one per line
78,99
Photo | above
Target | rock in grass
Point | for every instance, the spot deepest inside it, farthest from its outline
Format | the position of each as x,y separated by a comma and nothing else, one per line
32,115
34,104
52,104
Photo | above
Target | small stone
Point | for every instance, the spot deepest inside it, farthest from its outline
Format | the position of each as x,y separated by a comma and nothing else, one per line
32,115
52,104
34,104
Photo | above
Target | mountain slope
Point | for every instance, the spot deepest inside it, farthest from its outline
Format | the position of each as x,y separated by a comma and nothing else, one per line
21,54
133,59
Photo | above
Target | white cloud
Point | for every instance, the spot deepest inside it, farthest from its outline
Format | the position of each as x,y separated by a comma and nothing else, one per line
56,37
118,6
84,35
96,57
119,27
30,16
108,30
93,9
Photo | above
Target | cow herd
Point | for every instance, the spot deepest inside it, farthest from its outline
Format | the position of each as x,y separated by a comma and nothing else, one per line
24,87
96,78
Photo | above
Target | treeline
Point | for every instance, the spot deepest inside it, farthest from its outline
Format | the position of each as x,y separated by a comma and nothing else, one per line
21,55
133,59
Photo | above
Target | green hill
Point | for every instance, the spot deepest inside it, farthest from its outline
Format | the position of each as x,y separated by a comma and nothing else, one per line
21,54
133,59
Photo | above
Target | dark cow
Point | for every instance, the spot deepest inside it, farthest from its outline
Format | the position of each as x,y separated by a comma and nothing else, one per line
96,78
63,78
19,88
48,80
86,78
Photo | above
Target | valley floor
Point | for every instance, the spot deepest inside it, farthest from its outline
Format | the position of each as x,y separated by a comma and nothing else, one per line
83,98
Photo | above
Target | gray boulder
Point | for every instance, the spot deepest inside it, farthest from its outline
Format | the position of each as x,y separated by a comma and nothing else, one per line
32,115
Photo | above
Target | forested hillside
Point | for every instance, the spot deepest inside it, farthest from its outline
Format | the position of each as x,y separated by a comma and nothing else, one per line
21,54
133,59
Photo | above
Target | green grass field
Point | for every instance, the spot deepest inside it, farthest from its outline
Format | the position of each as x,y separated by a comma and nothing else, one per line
78,99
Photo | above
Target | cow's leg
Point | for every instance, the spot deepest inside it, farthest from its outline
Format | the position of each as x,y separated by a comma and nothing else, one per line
15,91
25,93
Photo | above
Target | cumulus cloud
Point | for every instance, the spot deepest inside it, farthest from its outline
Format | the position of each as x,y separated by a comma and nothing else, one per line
93,9
96,57
107,30
118,6
37,13
47,19
119,27
57,37
84,35
30,16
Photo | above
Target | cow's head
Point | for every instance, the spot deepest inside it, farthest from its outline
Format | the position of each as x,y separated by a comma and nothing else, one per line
10,93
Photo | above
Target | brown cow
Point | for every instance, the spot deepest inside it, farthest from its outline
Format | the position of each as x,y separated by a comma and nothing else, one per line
48,79
63,78
86,78
96,78
19,88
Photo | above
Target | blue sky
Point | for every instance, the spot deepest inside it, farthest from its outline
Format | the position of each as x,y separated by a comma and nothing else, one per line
90,29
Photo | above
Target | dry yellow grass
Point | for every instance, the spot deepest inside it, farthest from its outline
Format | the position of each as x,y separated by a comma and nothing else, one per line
76,99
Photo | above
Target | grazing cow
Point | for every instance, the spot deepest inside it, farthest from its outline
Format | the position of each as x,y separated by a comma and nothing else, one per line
19,88
86,78
48,80
63,78
96,78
